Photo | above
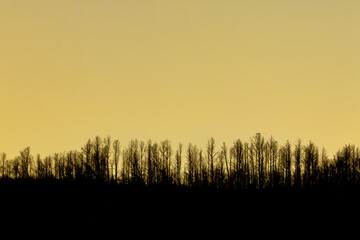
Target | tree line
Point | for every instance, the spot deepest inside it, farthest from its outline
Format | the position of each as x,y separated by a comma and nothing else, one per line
258,164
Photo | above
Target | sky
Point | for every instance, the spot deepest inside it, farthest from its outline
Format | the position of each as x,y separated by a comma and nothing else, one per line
181,70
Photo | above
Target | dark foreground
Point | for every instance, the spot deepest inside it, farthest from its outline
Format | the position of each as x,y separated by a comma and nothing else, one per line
128,198
81,204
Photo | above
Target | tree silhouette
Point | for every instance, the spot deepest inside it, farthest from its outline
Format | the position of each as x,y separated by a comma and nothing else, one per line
192,158
3,161
165,167
237,151
104,162
25,163
178,164
211,159
311,161
254,165
258,147
116,151
297,162
87,152
324,173
285,164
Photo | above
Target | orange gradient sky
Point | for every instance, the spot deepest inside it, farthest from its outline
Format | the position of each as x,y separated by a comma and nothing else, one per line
179,70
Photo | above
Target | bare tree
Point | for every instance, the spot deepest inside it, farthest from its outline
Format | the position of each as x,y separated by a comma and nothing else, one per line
3,160
116,150
154,164
105,156
25,161
211,159
142,160
311,160
220,169
165,153
131,163
273,152
87,151
39,168
150,167
237,151
96,157
285,163
69,166
190,163
16,167
297,161
202,170
125,171
258,144
78,165
228,164
178,164
325,168
346,165
192,155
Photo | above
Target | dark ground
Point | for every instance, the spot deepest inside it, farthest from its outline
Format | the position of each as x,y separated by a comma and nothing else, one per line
76,203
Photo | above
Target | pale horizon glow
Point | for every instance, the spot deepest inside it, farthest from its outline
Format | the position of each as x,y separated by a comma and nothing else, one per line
179,70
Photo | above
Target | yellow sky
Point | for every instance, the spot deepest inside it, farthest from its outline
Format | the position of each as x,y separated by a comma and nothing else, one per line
178,70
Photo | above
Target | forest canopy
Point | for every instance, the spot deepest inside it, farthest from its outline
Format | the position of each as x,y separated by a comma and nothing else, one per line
257,164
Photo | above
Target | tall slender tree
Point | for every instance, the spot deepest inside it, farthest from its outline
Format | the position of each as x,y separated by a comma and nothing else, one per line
116,151
25,163
3,161
258,145
211,159
311,161
178,164
297,162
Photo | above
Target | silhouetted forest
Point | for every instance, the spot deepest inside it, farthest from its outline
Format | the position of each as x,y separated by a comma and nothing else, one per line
255,165
155,180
